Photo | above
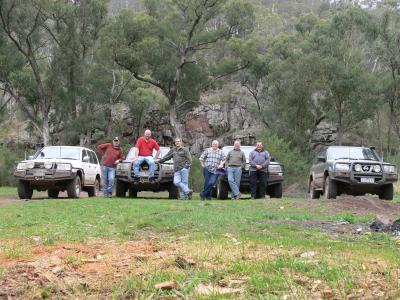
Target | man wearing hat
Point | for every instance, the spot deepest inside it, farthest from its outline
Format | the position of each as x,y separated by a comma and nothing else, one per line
112,156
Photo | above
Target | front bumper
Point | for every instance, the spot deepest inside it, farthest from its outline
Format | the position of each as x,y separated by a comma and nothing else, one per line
359,179
44,178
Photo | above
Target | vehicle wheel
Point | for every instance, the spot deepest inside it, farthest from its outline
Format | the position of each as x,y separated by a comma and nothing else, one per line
330,188
120,189
133,192
93,191
24,190
53,193
276,190
74,187
313,193
386,192
222,189
214,192
173,192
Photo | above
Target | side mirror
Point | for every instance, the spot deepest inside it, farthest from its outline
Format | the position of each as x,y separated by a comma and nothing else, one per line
321,158
86,158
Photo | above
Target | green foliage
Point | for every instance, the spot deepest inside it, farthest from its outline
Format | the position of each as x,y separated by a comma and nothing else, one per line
196,178
296,165
7,163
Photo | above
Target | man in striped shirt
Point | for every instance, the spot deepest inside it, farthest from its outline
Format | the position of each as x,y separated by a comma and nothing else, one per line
211,159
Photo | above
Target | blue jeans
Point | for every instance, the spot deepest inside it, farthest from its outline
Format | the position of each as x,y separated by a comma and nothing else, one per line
181,180
107,177
234,176
209,181
150,162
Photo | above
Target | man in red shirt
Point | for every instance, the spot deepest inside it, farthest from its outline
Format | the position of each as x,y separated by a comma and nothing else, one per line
144,152
113,155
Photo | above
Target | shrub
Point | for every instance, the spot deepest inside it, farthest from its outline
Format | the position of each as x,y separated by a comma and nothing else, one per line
8,157
295,162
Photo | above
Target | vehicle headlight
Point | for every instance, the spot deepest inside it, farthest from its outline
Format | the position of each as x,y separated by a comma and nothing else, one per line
247,167
389,169
167,167
357,168
377,169
48,165
64,167
123,167
30,164
21,166
275,168
342,167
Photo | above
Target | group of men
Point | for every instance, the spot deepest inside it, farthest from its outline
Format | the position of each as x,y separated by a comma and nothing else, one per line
213,160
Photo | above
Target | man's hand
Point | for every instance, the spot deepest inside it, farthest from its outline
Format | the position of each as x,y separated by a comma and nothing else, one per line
221,165
258,167
116,162
202,164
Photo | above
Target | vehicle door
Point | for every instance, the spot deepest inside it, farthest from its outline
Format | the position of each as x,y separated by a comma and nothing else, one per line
94,164
87,168
318,169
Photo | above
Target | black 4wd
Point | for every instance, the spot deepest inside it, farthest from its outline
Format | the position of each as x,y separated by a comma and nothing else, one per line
164,177
353,171
274,181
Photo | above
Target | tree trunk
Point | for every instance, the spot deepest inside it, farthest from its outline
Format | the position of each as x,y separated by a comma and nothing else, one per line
176,126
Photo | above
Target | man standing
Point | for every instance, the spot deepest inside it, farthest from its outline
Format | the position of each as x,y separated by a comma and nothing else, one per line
113,155
182,163
235,162
144,152
211,159
259,160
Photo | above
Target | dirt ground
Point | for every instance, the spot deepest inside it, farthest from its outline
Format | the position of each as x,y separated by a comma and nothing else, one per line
72,269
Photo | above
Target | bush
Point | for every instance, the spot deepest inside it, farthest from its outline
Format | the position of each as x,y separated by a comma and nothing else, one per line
196,180
8,157
295,162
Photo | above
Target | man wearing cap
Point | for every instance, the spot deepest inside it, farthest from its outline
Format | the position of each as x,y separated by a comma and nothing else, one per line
211,159
182,161
112,156
144,152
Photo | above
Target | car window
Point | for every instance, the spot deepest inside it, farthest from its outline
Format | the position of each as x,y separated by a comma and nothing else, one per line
59,152
352,153
84,153
92,157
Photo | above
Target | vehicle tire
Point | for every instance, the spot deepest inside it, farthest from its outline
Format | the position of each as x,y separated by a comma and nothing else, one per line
24,190
120,189
222,189
53,193
313,193
214,191
330,188
276,190
74,187
386,192
173,192
93,191
132,192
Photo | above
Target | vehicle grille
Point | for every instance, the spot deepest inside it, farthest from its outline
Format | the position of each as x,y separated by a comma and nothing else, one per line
366,169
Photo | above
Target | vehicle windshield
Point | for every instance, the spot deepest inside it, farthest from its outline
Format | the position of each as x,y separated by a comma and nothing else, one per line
59,152
351,153
245,149
163,152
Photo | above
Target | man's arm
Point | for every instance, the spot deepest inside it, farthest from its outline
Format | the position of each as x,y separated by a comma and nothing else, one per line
243,160
203,156
101,148
267,159
251,159
189,157
166,156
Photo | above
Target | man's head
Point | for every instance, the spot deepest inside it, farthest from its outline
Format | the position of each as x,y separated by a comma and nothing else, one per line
215,144
178,142
147,134
236,145
116,142
259,146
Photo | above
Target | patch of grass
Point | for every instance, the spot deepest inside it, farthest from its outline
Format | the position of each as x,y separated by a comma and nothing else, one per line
7,191
15,250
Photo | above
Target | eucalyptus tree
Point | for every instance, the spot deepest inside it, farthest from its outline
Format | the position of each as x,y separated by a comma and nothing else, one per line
171,45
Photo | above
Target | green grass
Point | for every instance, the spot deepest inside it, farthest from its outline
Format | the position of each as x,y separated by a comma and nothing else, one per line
253,239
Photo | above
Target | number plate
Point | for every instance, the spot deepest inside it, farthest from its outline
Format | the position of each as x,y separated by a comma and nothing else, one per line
367,180
144,173
38,172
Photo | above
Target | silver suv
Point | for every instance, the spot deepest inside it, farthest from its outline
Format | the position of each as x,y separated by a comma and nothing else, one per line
59,168
353,171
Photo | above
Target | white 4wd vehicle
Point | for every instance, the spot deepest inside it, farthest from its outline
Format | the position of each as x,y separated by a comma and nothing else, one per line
59,168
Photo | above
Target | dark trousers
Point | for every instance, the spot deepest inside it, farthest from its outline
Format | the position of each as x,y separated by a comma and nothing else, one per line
258,179
209,181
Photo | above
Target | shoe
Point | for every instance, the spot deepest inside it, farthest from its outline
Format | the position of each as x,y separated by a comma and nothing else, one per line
189,194
105,195
208,198
109,195
202,198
